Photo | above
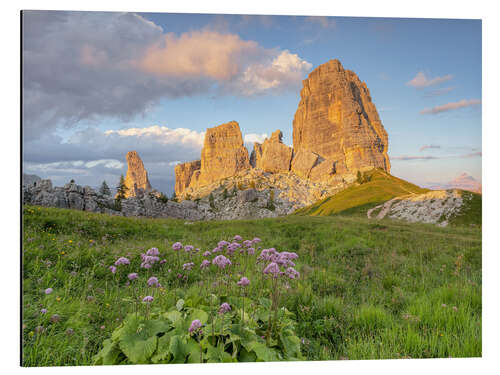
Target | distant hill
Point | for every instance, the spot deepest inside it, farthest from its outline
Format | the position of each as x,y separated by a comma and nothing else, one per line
463,182
379,187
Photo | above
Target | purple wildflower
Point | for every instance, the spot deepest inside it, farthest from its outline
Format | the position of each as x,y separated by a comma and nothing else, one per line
247,243
195,325
112,269
224,308
122,261
146,265
49,290
292,273
153,281
43,311
163,261
148,299
153,252
132,276
188,248
177,246
187,266
237,238
251,251
221,244
207,253
256,240
205,263
272,268
221,261
243,281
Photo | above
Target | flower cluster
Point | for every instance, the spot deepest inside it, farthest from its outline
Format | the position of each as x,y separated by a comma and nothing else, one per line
224,308
122,261
153,281
221,261
188,266
177,246
195,326
150,258
243,281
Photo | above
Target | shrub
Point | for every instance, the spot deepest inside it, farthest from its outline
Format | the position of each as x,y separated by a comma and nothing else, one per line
270,202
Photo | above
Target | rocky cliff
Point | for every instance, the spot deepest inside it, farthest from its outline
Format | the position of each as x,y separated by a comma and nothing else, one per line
337,120
272,156
136,180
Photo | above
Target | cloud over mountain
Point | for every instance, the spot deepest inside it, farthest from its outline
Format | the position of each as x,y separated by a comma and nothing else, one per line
89,65
421,81
450,106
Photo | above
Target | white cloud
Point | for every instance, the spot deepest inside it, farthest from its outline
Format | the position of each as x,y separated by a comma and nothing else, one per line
252,138
323,21
451,106
420,80
284,71
163,135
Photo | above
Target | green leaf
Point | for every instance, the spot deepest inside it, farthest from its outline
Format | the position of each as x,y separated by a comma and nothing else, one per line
262,351
163,350
178,349
173,315
138,349
198,314
291,344
193,348
246,356
109,354
179,304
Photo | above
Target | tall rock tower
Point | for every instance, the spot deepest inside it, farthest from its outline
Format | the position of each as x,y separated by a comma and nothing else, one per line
337,120
136,180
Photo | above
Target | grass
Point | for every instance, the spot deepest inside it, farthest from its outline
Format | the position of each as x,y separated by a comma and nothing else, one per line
381,187
367,290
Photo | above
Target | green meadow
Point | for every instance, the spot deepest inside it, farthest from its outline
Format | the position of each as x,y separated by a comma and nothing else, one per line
367,290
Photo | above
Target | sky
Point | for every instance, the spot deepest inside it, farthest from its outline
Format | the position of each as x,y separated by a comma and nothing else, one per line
98,84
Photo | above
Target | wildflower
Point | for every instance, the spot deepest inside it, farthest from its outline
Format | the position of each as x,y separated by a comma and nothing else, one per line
70,332
49,290
443,305
195,325
103,327
163,261
153,252
221,244
132,276
247,243
169,270
112,269
205,263
90,298
177,246
62,253
43,311
221,261
207,253
224,308
187,266
58,299
73,273
188,248
243,281
179,276
153,281
256,240
148,299
55,318
292,273
250,251
122,260
455,308
237,238
272,268
39,329
146,265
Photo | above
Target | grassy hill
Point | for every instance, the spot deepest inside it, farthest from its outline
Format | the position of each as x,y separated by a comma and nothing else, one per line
380,187
366,290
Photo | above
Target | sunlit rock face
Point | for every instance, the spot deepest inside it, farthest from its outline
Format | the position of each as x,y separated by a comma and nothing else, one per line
272,155
136,180
337,120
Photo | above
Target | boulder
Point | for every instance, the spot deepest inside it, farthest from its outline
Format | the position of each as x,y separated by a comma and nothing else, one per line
302,163
337,120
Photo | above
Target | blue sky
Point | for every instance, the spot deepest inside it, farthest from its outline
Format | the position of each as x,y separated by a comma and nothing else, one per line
424,76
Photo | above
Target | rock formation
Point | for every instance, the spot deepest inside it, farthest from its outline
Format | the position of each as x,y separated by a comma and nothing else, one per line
223,154
183,175
136,180
337,120
272,156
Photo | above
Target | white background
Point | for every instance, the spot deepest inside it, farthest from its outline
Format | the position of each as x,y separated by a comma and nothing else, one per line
10,173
